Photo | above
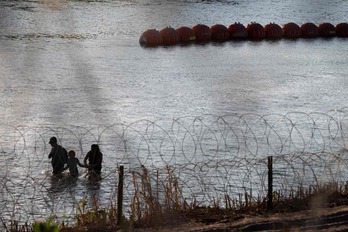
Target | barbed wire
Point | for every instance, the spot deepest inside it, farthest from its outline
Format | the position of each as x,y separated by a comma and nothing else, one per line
210,156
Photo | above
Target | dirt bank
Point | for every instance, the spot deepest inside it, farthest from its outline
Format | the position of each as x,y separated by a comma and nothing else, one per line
324,219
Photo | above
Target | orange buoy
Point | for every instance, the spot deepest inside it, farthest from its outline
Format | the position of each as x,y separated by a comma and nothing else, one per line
186,34
150,38
309,30
327,30
237,31
291,30
342,29
273,31
202,32
255,31
169,36
219,33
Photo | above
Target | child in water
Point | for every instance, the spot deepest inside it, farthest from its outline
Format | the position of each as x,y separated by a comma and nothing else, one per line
72,164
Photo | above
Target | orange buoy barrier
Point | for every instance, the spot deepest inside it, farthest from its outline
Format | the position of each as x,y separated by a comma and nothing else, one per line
150,38
219,33
255,31
186,34
273,31
202,32
169,36
291,30
342,29
237,31
327,30
309,30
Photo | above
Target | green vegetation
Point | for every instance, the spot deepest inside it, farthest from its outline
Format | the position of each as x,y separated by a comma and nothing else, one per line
148,211
46,226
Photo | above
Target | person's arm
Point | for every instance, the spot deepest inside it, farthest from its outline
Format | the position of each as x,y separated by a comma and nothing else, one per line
66,166
51,154
85,160
81,165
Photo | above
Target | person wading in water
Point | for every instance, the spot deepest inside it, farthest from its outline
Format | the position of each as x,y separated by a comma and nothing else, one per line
95,158
72,163
59,156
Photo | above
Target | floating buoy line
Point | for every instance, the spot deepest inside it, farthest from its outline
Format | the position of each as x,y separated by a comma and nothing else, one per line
201,33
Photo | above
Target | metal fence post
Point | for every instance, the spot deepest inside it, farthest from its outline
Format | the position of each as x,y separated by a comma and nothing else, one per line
270,183
120,195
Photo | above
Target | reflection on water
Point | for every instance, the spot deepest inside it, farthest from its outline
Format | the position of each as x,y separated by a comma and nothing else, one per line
65,182
68,194
61,183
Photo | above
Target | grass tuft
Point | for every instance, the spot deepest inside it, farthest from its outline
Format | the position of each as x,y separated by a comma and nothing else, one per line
156,203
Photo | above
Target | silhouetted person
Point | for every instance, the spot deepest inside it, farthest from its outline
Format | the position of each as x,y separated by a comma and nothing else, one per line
95,158
59,156
72,163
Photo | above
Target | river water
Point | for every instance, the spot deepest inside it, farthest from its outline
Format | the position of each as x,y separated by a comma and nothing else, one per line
67,65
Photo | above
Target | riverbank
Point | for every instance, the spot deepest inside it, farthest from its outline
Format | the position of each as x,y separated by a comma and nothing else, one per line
324,219
318,212
321,211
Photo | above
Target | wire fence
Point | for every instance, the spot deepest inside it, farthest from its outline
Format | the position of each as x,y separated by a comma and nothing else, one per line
210,157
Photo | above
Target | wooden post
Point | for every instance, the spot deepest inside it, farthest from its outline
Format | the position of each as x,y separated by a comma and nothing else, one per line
270,183
120,196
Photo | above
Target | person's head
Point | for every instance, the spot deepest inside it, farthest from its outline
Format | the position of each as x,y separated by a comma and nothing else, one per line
95,148
72,153
53,141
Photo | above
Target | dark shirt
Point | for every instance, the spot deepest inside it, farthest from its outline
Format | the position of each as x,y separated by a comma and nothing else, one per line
59,157
95,160
72,165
